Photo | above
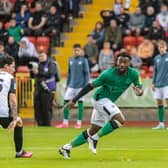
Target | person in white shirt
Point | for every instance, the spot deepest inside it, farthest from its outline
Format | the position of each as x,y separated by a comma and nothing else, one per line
8,106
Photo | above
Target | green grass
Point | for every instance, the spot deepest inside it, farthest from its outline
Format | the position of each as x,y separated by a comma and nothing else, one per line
125,148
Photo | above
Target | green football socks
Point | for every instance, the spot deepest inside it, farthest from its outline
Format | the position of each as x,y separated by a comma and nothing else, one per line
80,110
108,128
66,111
105,130
79,140
161,113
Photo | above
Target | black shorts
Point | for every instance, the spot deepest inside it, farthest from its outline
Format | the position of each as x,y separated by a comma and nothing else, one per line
4,121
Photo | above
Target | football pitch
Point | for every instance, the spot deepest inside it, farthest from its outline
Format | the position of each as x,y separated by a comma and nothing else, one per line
125,148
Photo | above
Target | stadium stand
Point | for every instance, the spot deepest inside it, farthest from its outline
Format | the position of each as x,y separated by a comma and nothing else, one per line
79,28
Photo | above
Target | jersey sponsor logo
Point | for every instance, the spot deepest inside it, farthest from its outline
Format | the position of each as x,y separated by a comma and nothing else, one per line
80,62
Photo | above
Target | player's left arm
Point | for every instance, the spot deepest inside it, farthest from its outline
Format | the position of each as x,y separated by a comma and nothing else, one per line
138,86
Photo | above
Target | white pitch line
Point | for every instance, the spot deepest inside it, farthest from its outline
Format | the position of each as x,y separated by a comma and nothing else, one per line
100,149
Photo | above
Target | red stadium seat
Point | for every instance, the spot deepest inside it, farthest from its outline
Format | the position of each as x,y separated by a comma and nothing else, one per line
139,39
32,39
129,41
23,69
43,43
42,48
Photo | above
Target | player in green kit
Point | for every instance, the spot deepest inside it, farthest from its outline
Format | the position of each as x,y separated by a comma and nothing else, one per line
106,116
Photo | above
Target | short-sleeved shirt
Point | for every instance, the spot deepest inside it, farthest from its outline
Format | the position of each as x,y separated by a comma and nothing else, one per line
112,84
7,86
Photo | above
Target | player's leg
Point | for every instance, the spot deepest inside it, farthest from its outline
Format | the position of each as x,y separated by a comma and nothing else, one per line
18,140
18,136
77,141
109,117
116,122
70,93
161,115
80,109
80,114
159,95
80,139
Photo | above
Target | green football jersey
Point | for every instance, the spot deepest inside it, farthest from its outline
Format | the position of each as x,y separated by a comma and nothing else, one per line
112,84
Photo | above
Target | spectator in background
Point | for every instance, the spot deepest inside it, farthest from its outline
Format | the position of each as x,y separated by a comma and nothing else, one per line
149,18
106,57
2,50
136,22
164,2
17,5
156,32
144,4
98,34
123,19
45,84
160,81
107,15
5,10
12,48
15,31
61,5
162,17
136,61
46,5
22,18
52,26
78,77
74,7
62,9
37,20
113,35
118,4
3,33
91,51
27,52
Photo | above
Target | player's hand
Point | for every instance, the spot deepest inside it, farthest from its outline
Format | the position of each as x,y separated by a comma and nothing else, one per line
70,104
12,125
19,122
153,87
138,91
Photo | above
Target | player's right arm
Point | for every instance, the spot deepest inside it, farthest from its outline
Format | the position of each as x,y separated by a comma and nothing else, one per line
99,81
138,85
84,91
